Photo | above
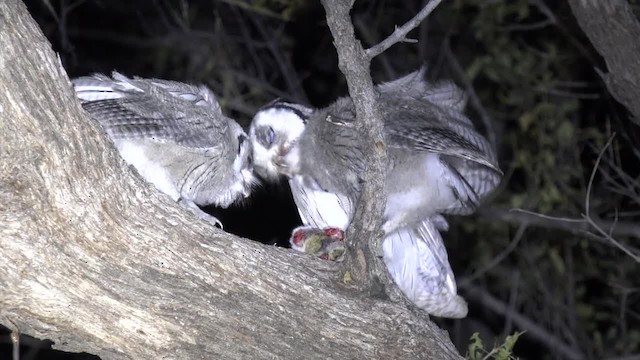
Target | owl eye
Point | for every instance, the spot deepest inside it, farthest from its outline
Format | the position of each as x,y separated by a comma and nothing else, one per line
266,136
271,136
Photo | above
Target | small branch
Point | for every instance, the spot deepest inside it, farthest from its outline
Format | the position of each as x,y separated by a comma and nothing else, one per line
497,259
15,342
593,175
616,243
513,303
14,336
590,221
399,35
260,10
578,226
363,28
287,71
522,322
528,27
473,97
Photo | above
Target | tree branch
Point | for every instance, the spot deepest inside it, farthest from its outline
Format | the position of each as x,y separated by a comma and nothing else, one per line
578,226
364,235
400,33
613,29
363,240
96,260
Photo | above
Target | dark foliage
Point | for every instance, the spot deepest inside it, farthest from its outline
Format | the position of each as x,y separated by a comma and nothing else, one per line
530,76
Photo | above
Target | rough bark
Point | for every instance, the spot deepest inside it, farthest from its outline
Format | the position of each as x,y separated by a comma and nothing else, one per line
614,30
363,260
96,260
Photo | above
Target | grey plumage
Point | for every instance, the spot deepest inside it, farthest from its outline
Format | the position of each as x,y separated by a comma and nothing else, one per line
437,164
422,137
416,257
418,263
175,135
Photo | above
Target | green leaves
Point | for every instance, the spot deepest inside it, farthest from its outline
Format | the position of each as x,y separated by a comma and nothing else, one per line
504,351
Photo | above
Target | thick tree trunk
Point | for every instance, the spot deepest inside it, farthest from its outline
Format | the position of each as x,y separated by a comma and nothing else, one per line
96,260
614,31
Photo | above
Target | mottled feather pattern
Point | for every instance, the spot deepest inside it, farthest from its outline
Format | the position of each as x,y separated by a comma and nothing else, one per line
123,121
336,145
417,261
449,102
438,163
444,94
175,134
416,257
156,108
404,130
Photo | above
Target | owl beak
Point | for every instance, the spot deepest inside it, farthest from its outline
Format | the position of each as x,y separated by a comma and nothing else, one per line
247,180
278,161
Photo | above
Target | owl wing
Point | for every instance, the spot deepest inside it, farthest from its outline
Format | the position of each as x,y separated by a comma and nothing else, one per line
414,85
319,208
153,109
418,263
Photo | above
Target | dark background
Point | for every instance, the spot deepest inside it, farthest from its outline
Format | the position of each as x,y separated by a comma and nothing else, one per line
530,74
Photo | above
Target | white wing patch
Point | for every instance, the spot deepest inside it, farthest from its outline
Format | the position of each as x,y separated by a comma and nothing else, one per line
319,208
134,155
100,87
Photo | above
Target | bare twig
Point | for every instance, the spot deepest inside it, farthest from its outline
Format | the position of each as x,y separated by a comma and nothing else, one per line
608,236
251,48
473,97
583,227
61,21
14,336
15,340
571,327
569,94
541,334
513,303
528,27
620,181
284,64
543,8
260,10
368,37
399,35
423,38
578,226
498,258
587,216
593,175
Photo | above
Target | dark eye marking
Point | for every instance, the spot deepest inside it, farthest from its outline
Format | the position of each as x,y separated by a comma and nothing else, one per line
266,136
278,104
241,139
271,136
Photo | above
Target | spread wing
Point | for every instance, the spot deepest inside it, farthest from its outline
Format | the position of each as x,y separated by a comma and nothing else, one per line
443,93
432,120
153,109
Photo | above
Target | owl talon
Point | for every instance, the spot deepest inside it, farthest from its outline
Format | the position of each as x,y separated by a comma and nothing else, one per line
334,233
326,244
